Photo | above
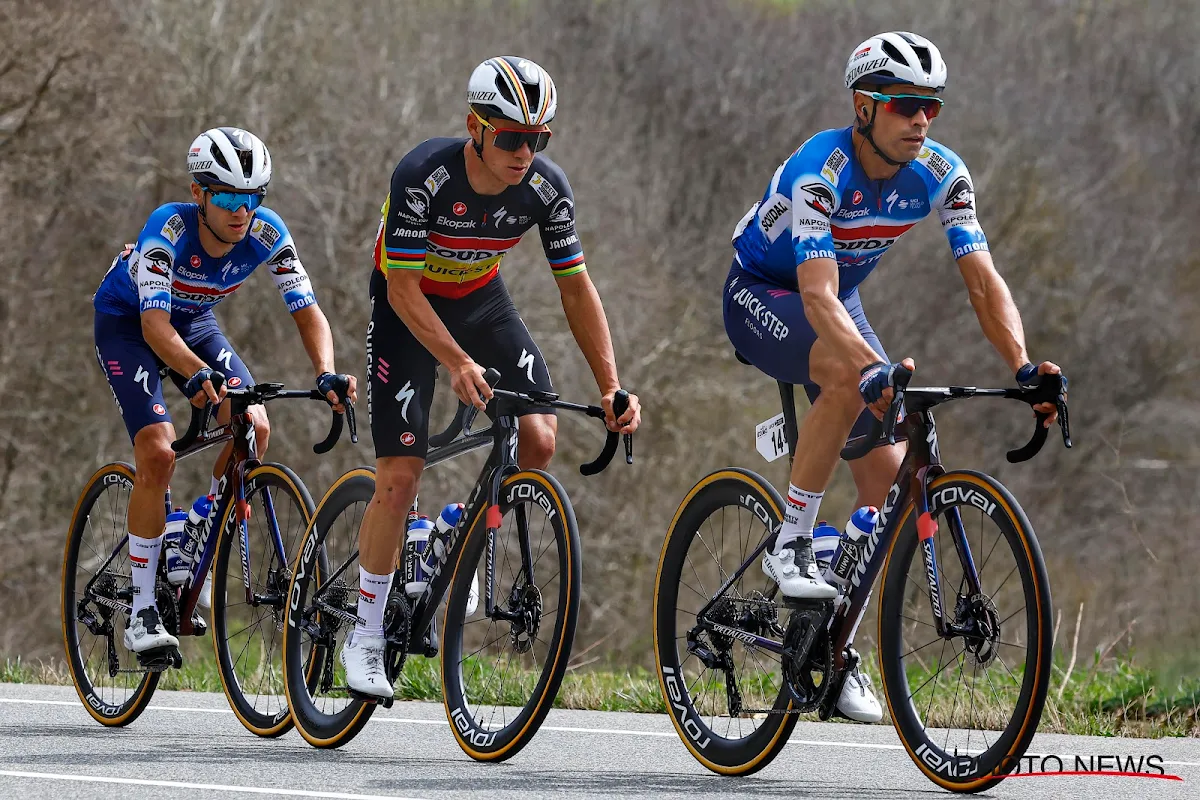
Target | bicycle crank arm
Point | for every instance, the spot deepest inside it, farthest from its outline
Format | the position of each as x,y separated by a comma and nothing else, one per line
338,613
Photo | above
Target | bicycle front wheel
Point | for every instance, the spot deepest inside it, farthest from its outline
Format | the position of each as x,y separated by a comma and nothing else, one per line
967,701
250,584
502,667
96,592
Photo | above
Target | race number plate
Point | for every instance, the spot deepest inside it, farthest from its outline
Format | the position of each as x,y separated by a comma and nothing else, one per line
769,438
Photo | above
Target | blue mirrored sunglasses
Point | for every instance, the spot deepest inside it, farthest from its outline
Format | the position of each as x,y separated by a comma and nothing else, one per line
232,201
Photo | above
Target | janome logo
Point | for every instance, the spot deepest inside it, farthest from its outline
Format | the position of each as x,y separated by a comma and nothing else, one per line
459,209
195,262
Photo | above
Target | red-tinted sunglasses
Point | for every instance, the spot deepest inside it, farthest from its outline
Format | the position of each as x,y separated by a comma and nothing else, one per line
907,105
511,139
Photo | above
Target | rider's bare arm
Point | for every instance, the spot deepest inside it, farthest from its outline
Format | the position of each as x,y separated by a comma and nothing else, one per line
818,281
318,339
166,343
589,325
994,306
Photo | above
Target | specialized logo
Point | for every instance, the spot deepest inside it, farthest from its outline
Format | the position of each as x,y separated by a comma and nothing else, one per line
459,209
525,362
418,201
865,68
562,211
405,396
224,357
500,212
819,199
142,377
961,196
480,97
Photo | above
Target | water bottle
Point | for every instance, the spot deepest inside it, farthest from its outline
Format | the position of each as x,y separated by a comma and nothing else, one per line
825,544
193,529
177,567
849,550
417,566
446,522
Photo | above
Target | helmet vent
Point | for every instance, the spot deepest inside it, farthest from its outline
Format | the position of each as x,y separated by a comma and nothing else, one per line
894,53
925,58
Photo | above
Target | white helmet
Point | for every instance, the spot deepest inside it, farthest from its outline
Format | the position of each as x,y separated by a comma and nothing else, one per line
896,57
230,156
513,88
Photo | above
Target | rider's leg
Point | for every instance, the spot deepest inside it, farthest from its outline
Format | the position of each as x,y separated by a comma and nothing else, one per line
535,440
155,463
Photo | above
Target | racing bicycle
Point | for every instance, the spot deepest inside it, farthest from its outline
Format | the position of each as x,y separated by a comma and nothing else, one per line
501,667
965,629
263,510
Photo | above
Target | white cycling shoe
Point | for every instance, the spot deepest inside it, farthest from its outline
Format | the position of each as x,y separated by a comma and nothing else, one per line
856,701
795,570
362,656
145,631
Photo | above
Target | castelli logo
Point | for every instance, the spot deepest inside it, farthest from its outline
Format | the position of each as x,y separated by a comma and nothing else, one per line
460,209
195,262
407,439
857,198
158,409
235,381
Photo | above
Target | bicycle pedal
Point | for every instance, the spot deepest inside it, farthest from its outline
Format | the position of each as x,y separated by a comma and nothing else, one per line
802,604
199,626
160,659
386,702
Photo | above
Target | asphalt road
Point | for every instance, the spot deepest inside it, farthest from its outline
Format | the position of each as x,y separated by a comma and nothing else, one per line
190,745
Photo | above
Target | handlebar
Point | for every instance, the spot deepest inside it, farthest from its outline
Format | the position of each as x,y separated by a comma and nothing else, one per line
1050,389
465,415
259,394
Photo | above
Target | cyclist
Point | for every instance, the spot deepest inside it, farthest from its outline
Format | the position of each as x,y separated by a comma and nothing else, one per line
455,207
791,301
154,317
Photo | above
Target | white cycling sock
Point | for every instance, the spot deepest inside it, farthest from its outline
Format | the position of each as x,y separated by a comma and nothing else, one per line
216,484
143,563
372,598
799,516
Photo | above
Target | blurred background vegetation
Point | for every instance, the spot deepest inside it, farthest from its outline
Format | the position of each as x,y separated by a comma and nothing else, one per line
1077,118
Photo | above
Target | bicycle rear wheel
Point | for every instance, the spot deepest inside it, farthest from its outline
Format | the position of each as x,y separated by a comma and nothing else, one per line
720,522
501,672
248,632
967,704
326,567
96,577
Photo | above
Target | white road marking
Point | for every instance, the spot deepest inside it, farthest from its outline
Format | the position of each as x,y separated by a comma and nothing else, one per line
559,728
206,787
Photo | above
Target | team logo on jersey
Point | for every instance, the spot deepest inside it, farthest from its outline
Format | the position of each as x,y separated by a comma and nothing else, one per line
939,166
235,381
195,262
418,201
266,233
459,209
834,165
407,439
500,212
158,409
819,199
961,196
158,261
774,216
562,211
284,262
857,198
435,181
173,229
543,188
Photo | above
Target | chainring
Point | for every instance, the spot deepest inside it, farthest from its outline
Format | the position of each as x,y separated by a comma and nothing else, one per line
397,625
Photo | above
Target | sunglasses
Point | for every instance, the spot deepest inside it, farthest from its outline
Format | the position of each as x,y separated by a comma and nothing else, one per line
512,139
232,201
907,105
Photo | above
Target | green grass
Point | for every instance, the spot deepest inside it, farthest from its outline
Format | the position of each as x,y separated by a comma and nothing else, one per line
1118,698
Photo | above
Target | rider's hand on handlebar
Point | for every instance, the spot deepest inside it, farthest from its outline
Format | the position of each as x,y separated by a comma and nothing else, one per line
627,422
1027,378
335,386
467,382
199,389
875,385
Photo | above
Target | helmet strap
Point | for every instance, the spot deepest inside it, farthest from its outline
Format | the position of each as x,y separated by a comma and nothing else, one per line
865,130
204,219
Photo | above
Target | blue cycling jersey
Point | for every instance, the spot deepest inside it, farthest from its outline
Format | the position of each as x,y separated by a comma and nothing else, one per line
820,204
169,270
